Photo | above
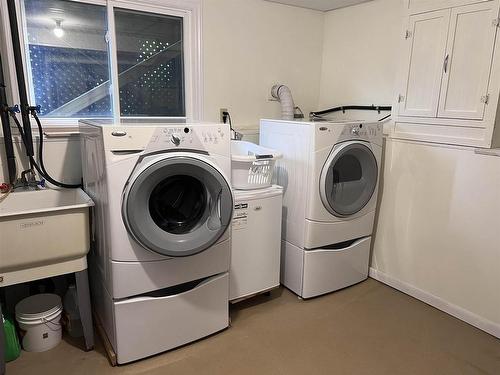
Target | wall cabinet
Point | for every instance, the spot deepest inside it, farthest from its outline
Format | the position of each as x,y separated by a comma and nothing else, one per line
450,77
426,45
466,67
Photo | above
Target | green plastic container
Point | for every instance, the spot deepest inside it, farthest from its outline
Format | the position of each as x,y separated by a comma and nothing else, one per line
12,347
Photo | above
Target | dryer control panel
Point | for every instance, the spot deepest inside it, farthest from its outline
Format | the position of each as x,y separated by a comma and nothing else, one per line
328,133
362,130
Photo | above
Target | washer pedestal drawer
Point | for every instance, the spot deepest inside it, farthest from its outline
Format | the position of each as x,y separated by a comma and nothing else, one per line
148,325
310,273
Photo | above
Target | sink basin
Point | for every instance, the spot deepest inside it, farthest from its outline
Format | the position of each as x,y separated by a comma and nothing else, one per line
42,228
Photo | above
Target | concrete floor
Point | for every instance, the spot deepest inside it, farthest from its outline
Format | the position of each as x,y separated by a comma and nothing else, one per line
366,329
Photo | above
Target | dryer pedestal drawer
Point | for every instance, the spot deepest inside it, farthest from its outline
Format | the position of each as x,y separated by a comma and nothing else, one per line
172,320
311,273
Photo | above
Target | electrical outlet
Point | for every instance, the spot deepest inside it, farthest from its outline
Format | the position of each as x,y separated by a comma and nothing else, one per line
221,114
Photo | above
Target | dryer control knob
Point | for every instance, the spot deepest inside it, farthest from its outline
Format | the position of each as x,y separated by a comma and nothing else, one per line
355,131
175,140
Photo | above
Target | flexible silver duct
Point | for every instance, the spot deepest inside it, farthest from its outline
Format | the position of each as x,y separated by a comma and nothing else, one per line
283,94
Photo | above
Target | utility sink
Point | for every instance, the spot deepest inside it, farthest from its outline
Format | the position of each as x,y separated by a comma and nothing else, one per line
43,228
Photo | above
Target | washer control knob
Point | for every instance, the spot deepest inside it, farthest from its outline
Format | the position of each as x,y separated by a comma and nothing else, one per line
355,131
175,140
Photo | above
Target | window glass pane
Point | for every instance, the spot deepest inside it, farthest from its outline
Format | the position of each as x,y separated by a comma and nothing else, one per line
150,64
68,58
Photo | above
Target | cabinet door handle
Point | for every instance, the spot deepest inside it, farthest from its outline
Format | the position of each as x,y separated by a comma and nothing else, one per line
445,65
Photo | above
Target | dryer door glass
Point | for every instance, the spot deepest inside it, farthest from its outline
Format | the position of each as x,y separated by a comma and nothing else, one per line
348,179
178,206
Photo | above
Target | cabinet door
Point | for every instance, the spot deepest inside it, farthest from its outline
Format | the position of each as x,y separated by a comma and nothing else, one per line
468,61
426,40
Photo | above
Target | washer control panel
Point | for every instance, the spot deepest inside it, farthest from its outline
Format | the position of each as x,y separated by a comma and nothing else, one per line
212,136
186,136
204,137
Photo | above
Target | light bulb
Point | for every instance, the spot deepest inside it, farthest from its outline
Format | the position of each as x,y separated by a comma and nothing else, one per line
58,30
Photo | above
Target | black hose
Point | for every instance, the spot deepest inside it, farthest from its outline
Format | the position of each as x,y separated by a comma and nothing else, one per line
344,108
23,138
9,148
40,158
21,83
41,168
7,135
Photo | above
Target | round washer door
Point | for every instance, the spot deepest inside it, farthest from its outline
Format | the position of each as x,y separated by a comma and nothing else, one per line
178,206
348,179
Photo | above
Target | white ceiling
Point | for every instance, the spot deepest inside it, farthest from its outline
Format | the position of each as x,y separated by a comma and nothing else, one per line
323,5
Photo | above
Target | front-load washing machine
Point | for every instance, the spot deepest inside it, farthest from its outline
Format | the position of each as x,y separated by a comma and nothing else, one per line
329,172
161,240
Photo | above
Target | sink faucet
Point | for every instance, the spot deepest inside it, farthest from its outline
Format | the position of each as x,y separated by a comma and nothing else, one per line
28,181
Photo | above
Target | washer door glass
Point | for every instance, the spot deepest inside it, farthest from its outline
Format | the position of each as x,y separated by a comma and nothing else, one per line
348,179
178,206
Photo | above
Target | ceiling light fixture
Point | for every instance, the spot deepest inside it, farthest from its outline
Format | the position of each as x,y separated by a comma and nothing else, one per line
58,30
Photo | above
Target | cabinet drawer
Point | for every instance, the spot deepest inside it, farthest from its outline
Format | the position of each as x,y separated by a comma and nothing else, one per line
455,135
327,270
172,320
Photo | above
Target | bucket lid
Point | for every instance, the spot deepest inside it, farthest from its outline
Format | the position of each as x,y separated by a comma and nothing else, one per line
38,306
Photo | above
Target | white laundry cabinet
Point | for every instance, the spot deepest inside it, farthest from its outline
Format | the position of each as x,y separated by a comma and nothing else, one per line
449,84
255,242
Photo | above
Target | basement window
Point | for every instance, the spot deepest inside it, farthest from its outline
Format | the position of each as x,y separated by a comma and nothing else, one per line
150,64
92,59
68,59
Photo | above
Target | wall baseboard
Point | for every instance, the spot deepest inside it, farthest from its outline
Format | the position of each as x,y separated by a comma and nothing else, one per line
439,303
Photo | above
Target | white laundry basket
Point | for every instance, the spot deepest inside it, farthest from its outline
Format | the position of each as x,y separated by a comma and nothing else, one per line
252,166
39,318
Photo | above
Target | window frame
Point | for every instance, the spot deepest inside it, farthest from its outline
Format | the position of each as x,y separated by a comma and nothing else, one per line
188,10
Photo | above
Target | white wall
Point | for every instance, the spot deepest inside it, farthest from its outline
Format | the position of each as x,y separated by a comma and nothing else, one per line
61,156
438,227
437,235
359,55
248,45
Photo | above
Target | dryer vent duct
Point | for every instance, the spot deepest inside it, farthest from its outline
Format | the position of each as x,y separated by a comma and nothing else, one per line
283,94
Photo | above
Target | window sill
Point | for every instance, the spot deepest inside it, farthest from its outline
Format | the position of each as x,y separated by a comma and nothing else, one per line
51,131
61,134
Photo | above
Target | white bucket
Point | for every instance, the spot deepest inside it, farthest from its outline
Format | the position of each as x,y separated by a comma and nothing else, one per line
39,318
